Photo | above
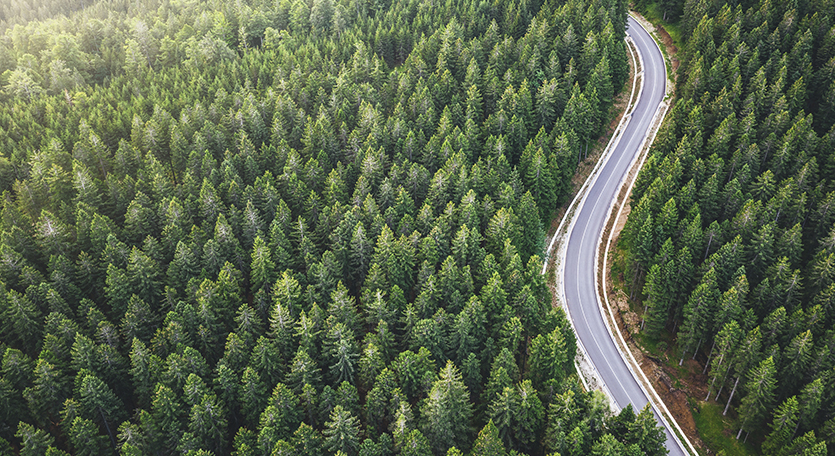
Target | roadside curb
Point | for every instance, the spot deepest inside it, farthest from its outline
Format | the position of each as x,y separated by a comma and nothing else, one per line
558,243
647,387
582,357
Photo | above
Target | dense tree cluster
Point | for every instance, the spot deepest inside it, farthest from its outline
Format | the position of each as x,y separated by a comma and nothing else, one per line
14,12
298,228
731,239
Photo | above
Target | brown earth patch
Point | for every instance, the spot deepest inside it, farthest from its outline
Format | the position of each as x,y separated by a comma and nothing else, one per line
672,392
670,47
673,388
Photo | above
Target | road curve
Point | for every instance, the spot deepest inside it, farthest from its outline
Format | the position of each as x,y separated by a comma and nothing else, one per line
579,272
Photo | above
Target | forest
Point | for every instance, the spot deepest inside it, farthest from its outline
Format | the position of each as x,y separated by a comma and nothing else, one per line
297,227
731,238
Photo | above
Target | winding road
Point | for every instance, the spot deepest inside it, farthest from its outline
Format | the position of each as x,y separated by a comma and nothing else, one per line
584,236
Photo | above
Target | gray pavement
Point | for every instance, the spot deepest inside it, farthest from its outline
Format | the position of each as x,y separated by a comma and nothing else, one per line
579,274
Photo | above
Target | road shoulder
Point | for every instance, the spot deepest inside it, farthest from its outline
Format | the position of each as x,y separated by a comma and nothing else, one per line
581,182
617,314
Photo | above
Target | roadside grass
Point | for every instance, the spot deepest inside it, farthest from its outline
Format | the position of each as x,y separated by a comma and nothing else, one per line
652,12
717,431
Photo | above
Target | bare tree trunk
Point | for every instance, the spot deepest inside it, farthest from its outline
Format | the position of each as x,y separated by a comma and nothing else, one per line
634,280
739,433
728,405
709,241
696,351
710,388
107,426
723,383
712,346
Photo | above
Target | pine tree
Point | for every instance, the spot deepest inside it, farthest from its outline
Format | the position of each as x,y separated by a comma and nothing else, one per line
166,417
262,268
720,365
549,359
529,417
488,442
342,432
760,395
607,446
447,411
33,441
50,387
252,395
85,439
655,305
746,356
20,320
502,410
782,427
696,313
343,351
810,402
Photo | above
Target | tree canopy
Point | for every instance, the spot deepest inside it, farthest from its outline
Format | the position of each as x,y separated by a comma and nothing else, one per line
294,227
730,235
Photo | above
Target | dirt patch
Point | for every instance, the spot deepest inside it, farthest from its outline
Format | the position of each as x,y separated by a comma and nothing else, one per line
669,47
665,38
673,388
672,393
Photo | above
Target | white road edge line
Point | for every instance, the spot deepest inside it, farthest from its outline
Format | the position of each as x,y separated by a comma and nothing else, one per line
646,386
577,204
580,196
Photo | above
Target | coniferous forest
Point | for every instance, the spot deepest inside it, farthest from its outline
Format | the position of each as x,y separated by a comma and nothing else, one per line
306,228
731,240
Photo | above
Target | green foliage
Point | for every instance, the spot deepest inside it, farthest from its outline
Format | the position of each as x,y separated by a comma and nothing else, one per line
341,432
447,411
712,428
728,240
262,227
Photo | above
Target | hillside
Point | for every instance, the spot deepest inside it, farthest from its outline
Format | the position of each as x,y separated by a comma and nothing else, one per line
297,227
729,241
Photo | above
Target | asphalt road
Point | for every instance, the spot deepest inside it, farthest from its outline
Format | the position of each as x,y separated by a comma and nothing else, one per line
579,269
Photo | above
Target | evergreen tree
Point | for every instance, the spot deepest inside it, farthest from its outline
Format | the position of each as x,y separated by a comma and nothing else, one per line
782,427
447,411
342,432
488,442
760,395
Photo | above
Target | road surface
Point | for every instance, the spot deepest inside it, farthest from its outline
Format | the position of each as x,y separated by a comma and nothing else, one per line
583,238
